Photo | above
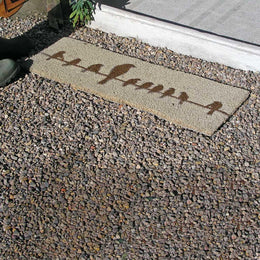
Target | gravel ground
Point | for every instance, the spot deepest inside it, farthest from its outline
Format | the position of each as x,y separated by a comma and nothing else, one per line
85,178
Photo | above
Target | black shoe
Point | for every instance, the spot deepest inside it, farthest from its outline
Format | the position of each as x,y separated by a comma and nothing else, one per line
8,70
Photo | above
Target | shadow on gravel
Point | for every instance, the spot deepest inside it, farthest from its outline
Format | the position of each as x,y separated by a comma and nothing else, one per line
43,35
55,28
47,32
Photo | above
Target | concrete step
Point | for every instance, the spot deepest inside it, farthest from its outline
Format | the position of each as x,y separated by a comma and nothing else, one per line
179,38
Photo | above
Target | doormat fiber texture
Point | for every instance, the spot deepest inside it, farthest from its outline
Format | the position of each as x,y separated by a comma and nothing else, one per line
184,99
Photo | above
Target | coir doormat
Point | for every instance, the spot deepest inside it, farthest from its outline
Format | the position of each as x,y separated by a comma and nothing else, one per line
187,100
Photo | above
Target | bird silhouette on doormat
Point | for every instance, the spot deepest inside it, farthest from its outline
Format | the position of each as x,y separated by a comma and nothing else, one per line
59,56
168,92
146,85
117,71
130,82
183,97
94,68
72,62
155,89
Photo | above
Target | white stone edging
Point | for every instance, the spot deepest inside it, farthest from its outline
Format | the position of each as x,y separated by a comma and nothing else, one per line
177,38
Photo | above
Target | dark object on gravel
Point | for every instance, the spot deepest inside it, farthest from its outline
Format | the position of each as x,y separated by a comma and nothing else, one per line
8,70
15,48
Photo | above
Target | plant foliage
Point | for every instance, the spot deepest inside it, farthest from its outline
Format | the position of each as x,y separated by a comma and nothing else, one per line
82,12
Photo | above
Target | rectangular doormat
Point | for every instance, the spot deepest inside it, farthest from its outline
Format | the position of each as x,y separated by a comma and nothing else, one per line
184,99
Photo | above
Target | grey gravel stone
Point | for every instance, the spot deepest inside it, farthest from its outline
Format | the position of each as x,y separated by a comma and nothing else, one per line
84,178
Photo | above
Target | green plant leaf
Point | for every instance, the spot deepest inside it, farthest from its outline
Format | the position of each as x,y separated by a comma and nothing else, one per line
75,20
81,17
90,5
73,14
82,11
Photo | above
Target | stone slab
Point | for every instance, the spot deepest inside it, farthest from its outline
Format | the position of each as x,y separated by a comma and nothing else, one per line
187,100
